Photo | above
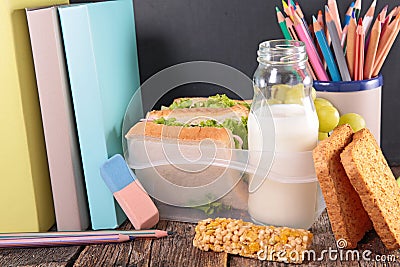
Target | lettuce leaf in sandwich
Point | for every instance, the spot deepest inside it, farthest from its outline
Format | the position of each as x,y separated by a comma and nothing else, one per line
216,101
238,128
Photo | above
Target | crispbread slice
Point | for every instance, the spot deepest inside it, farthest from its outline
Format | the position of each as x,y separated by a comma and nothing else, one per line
373,180
348,218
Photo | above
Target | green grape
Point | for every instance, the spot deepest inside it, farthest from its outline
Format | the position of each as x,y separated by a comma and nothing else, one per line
355,120
328,117
273,101
279,91
295,94
313,93
319,102
322,136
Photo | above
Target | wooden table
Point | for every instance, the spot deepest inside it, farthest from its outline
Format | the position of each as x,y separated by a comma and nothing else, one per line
179,251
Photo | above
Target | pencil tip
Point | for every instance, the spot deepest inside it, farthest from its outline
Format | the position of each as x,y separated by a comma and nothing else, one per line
314,19
171,232
131,237
360,22
277,9
352,4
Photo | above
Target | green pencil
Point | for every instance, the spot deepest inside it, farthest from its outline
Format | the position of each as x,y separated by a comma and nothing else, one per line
357,9
282,24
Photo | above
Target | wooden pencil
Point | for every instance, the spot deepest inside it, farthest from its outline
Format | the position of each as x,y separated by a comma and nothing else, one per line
350,45
314,58
287,10
369,16
357,9
348,14
335,16
290,25
386,43
344,71
359,55
320,35
63,241
282,24
344,35
372,48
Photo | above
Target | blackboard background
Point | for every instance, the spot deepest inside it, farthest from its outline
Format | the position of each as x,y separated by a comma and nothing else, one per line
229,31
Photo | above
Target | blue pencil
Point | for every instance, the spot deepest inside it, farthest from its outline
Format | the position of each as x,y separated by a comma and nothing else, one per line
348,14
323,44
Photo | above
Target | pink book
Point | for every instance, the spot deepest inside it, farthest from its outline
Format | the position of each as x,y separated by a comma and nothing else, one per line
63,154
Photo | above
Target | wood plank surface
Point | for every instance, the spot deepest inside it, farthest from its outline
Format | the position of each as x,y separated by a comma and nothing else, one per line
177,250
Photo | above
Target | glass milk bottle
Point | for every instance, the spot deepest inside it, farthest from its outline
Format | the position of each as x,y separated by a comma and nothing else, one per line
287,196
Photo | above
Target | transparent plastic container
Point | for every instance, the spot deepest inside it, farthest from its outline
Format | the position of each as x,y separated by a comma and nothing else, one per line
191,182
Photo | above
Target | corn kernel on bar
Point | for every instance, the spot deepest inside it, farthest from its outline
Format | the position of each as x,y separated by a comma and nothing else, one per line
254,241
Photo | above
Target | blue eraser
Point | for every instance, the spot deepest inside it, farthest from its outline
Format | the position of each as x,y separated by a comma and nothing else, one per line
116,173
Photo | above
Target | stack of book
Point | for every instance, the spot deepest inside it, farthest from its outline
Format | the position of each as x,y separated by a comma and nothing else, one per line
64,111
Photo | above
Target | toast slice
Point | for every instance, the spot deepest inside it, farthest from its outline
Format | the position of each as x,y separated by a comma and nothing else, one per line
374,182
348,218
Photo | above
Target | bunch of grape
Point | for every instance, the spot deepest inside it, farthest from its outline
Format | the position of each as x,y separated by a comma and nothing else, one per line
329,118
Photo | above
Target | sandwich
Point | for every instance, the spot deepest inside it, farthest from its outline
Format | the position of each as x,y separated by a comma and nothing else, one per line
214,112
216,124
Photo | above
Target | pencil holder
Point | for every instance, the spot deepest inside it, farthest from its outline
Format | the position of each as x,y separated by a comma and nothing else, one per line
361,97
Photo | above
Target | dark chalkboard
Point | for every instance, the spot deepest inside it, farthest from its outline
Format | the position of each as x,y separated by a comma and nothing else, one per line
229,31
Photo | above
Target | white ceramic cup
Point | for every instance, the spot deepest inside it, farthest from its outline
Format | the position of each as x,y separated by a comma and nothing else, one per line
361,97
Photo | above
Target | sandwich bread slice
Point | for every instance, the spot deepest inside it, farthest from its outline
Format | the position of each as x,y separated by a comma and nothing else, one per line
346,213
370,175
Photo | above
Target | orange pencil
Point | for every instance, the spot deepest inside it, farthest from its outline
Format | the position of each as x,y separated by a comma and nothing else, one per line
335,16
350,50
386,43
359,55
386,21
372,48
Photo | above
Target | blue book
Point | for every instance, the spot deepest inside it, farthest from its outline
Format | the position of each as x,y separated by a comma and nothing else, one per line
101,54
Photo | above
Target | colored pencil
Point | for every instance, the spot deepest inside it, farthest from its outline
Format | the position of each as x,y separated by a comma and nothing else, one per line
282,24
287,10
385,44
323,44
335,16
301,15
133,233
359,55
63,241
357,9
344,35
350,45
293,4
348,14
316,62
290,27
372,48
293,33
369,16
337,48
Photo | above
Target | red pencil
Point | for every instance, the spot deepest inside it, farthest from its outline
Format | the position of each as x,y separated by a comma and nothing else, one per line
359,55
